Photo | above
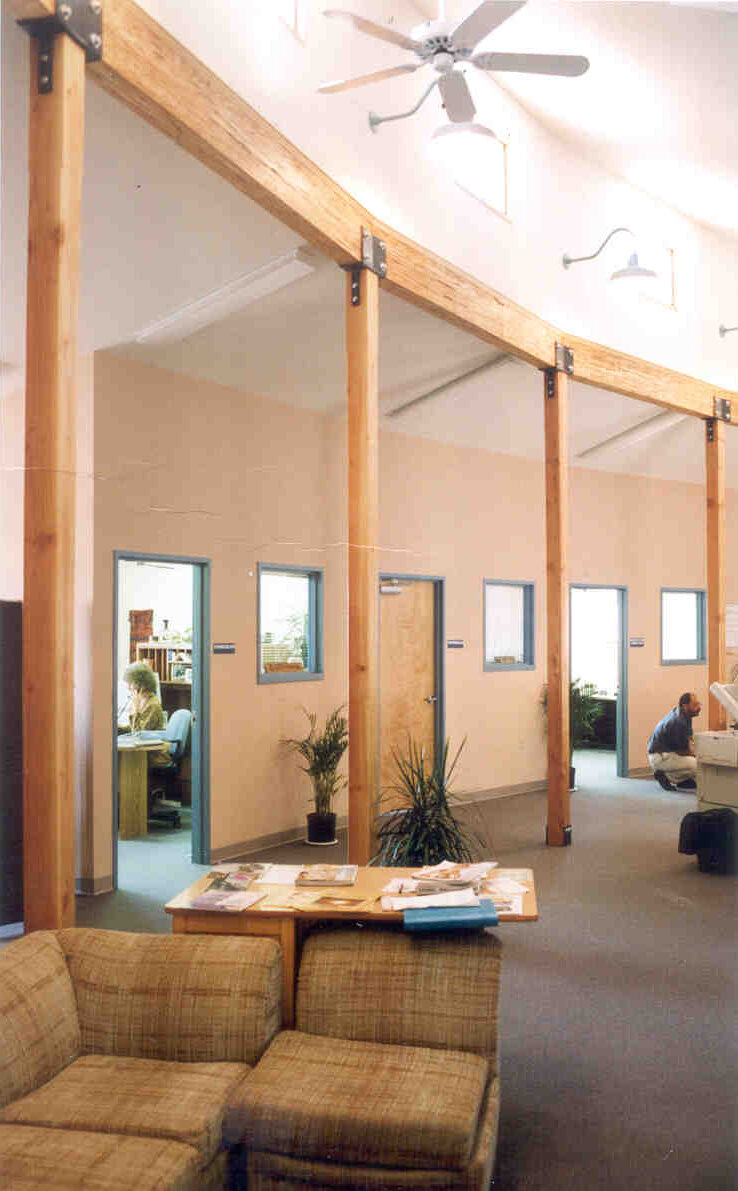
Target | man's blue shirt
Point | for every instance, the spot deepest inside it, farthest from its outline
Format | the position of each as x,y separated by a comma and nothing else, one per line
672,734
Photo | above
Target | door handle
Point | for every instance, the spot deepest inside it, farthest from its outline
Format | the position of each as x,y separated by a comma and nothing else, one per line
431,698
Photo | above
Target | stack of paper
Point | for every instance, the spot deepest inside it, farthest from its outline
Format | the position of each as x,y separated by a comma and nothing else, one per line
448,875
455,897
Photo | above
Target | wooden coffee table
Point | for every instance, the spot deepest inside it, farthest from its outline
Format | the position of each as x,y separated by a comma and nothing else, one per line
284,923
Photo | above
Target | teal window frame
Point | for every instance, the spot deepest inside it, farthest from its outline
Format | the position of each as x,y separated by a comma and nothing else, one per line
314,671
701,614
529,626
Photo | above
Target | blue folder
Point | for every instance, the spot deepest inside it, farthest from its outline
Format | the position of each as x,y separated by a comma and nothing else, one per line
451,918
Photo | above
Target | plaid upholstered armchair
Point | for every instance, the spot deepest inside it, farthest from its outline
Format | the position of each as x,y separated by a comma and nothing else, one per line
118,1053
390,1079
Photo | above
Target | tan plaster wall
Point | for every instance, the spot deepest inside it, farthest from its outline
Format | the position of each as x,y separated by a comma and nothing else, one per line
186,467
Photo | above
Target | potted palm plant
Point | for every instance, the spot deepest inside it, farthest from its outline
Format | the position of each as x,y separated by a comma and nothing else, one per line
584,711
423,828
322,750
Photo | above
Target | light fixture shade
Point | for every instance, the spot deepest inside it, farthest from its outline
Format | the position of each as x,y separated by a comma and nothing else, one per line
475,157
634,270
462,130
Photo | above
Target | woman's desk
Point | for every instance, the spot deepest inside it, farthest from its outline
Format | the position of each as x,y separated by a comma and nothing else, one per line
133,770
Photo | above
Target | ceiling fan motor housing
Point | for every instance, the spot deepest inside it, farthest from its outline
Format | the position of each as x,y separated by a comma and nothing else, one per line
435,37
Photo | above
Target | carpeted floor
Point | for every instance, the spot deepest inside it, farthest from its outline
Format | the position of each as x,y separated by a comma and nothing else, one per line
618,1016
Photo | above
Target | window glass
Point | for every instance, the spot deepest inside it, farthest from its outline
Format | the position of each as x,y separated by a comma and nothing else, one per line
682,626
508,627
289,624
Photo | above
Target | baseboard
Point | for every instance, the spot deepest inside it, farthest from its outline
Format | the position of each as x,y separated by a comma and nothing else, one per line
538,787
297,834
261,842
92,886
640,771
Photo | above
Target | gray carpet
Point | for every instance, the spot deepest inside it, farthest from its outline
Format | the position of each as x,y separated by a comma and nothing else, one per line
618,1015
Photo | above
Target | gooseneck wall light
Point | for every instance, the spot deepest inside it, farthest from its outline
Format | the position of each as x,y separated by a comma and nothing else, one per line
632,269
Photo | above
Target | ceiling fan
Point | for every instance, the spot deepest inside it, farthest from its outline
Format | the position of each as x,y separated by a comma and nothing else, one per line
446,47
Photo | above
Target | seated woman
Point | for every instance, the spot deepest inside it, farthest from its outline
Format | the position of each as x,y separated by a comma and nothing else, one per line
146,712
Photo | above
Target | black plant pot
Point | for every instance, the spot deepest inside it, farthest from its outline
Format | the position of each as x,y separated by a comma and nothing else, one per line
321,829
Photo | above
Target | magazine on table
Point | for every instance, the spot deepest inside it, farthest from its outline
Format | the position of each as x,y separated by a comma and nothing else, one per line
236,877
327,874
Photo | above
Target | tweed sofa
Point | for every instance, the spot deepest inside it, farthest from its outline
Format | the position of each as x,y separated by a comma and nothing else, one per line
118,1053
389,1081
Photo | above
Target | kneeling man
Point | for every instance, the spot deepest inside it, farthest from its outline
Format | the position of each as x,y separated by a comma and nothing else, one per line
671,747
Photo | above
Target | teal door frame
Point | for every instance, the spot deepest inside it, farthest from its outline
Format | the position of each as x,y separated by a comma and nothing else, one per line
200,748
621,701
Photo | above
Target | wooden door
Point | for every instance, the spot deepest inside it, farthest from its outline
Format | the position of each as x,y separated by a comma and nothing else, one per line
407,682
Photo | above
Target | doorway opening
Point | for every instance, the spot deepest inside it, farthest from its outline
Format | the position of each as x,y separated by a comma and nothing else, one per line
599,667
411,671
161,715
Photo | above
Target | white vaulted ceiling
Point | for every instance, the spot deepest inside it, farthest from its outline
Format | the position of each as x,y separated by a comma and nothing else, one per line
160,231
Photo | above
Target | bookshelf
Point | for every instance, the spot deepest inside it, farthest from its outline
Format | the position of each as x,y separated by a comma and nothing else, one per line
161,657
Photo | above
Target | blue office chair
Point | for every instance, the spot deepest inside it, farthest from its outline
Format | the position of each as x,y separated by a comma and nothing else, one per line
162,777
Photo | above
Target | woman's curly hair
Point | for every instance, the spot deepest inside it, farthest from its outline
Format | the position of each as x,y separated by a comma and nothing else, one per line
141,676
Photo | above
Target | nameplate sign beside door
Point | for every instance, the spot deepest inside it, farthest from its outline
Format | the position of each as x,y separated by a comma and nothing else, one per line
224,647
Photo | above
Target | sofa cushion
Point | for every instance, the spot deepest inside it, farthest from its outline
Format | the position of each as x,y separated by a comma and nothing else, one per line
388,986
188,998
31,1158
358,1102
39,1028
103,1093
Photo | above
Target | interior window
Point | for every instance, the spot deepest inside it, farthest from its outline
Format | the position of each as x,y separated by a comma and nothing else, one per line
682,626
508,625
290,624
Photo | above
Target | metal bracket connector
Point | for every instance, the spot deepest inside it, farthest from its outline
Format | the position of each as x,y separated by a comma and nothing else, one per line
564,363
566,833
564,359
710,426
373,253
373,256
79,19
723,409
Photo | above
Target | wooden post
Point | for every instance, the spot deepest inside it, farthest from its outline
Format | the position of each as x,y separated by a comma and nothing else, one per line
56,139
716,581
556,397
362,346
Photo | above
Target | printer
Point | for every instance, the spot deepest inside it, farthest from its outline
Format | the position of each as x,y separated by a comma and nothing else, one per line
717,755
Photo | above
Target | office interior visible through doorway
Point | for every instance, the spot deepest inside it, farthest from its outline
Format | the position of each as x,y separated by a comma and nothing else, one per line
157,771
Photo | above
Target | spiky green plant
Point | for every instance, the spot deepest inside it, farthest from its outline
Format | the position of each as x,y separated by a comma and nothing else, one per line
422,829
322,750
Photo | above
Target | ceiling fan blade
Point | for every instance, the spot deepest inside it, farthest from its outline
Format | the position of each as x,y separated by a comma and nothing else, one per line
360,80
482,21
457,98
569,65
369,27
